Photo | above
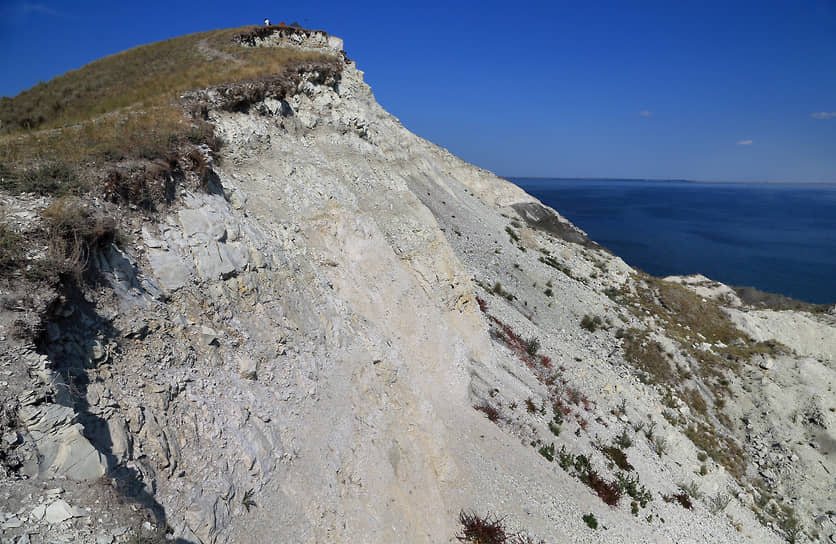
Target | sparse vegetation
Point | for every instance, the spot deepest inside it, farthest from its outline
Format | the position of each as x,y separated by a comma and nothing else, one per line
513,235
530,407
489,530
590,521
557,265
623,440
721,448
693,490
629,484
55,178
718,503
248,501
580,467
682,498
617,456
490,412
76,232
547,452
591,323
499,291
532,346
648,356
659,445
11,249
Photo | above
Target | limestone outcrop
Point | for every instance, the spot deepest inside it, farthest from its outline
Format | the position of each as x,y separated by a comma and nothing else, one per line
358,336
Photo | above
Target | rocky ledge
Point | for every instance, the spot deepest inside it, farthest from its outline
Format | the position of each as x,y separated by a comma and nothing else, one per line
354,336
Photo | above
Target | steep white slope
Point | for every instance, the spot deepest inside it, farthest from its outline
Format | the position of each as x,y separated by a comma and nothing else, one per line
295,356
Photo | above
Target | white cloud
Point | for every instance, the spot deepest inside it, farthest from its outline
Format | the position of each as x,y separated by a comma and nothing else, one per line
31,7
745,142
645,113
823,115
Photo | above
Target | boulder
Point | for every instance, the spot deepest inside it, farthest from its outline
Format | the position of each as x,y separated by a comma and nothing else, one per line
213,261
201,223
61,511
171,271
63,449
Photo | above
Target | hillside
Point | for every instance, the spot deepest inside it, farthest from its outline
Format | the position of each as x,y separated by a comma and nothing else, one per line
295,321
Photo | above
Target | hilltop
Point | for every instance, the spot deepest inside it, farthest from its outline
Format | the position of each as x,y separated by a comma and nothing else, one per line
292,320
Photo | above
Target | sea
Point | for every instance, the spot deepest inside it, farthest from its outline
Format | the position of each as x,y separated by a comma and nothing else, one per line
778,238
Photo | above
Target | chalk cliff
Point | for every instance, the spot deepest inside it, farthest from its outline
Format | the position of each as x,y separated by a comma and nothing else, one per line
354,336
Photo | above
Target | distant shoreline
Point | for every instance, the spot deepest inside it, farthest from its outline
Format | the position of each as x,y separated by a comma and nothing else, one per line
813,183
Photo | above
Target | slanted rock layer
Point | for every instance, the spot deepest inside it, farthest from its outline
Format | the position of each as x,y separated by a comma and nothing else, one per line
355,336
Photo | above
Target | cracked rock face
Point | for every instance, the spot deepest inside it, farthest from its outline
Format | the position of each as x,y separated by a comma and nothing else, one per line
296,357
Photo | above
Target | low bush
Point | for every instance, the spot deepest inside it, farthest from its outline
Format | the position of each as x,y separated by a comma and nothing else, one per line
481,530
532,346
659,445
607,491
489,530
623,440
547,452
54,178
490,412
617,456
513,235
682,498
590,521
76,233
11,249
591,323
629,483
718,503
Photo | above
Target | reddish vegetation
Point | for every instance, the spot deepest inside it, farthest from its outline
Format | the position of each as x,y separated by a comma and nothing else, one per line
608,491
489,411
560,393
682,498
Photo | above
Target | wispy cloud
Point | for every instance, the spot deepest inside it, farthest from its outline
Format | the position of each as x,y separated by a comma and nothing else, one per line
745,142
823,115
645,113
31,7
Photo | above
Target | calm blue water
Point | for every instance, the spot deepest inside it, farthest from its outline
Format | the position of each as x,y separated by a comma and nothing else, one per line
778,238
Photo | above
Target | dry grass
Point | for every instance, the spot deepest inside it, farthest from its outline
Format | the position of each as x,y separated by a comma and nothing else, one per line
143,77
719,446
76,233
647,355
126,111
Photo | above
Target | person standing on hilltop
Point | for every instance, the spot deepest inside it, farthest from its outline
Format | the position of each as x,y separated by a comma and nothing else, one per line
266,21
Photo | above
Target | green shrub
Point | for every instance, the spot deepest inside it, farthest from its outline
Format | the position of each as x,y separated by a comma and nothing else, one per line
590,521
54,178
11,249
547,452
513,235
532,346
617,456
591,324
629,483
659,445
623,440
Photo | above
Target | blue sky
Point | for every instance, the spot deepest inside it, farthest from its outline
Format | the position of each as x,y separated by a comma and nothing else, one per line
727,90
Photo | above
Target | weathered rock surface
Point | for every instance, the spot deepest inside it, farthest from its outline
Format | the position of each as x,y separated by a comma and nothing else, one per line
331,318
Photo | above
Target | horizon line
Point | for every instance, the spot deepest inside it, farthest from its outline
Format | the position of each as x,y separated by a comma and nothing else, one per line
678,180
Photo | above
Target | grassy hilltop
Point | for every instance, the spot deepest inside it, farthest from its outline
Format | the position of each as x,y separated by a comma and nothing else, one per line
126,106
118,130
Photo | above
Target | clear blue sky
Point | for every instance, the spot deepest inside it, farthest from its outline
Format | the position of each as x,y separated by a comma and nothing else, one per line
726,90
